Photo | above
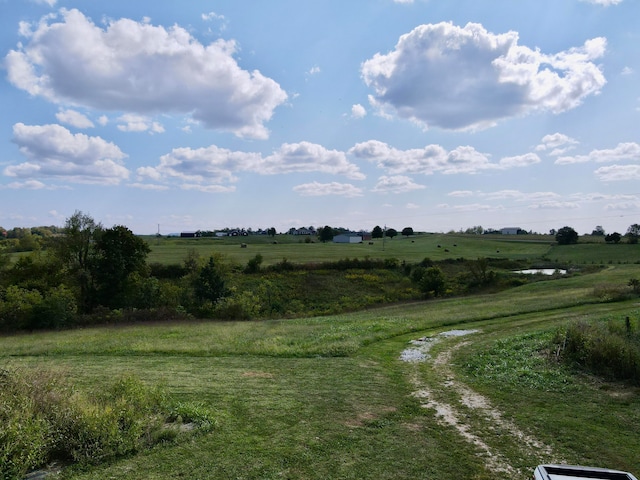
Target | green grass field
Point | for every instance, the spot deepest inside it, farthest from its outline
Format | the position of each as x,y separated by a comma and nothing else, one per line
329,397
294,249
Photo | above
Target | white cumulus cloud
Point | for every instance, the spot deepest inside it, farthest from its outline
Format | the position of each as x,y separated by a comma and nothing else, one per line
53,151
396,184
622,152
74,118
143,69
358,111
464,78
316,189
308,157
434,159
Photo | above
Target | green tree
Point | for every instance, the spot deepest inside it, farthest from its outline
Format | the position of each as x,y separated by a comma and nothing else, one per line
118,254
272,231
253,265
614,237
391,232
633,233
377,232
433,282
407,231
566,236
75,250
325,234
598,231
209,285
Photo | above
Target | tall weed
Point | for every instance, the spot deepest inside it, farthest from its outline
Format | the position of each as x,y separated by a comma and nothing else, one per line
44,419
610,349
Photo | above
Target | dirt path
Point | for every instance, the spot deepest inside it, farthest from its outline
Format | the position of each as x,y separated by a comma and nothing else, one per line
453,414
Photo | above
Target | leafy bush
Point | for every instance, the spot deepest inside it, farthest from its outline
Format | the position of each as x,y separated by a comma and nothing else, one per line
44,419
610,349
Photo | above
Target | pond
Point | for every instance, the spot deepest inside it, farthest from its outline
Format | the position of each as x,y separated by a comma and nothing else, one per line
542,271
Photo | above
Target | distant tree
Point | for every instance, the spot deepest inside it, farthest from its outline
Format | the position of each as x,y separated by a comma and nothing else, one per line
75,251
475,230
272,231
598,231
614,237
432,282
325,234
209,285
377,232
553,232
566,236
391,232
407,231
253,265
633,233
118,254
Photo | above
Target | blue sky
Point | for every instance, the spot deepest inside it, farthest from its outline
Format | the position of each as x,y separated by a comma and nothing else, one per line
434,114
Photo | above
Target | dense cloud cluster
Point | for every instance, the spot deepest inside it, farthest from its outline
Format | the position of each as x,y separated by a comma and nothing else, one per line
459,78
142,69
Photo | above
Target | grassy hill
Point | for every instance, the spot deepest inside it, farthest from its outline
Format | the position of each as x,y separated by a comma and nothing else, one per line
329,397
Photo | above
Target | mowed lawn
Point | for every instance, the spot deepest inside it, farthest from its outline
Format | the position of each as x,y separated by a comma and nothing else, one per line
329,398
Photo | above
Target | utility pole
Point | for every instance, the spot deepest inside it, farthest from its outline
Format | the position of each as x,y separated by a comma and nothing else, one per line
384,235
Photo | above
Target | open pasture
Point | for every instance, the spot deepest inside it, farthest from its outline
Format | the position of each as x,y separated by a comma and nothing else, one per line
412,249
328,397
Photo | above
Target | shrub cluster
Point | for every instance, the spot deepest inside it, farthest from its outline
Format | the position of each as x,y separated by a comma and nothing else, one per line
609,349
44,420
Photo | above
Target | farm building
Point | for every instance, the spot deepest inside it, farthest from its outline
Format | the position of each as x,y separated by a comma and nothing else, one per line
510,231
347,238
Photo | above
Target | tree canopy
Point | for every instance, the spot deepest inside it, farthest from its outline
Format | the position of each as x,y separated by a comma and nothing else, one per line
566,236
407,231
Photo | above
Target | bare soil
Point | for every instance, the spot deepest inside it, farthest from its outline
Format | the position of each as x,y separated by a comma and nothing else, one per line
455,414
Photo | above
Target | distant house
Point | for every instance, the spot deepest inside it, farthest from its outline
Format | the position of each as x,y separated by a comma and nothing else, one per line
304,231
510,230
347,238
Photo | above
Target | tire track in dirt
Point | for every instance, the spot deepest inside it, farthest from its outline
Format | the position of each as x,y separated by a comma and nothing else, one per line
452,415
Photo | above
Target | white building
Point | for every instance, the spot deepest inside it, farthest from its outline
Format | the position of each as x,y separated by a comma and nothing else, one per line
347,238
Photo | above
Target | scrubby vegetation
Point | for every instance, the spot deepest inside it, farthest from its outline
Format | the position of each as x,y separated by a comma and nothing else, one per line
46,420
609,348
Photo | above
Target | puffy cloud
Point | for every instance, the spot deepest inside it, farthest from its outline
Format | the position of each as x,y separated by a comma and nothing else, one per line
358,111
53,151
308,157
143,69
137,123
211,165
468,78
396,184
433,158
316,189
520,160
74,118
616,173
622,152
558,143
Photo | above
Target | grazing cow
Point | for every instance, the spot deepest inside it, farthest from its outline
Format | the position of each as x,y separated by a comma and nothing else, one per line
243,245
439,246
446,250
